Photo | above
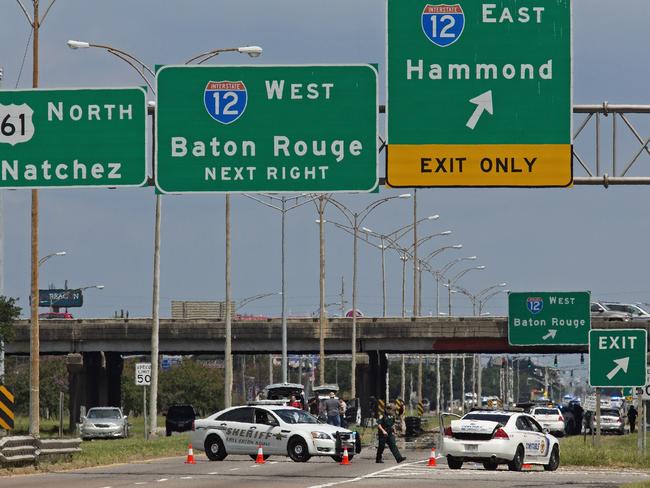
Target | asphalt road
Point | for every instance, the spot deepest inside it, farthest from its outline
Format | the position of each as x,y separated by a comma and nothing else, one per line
241,472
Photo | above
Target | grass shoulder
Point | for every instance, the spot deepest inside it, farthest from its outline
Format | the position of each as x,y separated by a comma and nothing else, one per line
615,452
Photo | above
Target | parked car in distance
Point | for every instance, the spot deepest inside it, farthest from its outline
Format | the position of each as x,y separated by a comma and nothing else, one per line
179,418
550,418
636,312
599,311
103,423
55,316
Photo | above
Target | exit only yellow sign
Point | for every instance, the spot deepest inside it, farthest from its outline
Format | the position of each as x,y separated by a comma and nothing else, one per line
482,165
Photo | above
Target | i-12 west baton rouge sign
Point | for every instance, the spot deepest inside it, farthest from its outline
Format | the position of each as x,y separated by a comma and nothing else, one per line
479,93
266,128
548,318
73,138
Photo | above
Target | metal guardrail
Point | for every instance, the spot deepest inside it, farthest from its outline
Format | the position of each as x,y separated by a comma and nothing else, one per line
23,450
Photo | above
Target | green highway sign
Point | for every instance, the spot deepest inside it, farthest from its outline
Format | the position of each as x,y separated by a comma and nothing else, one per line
73,138
548,318
479,93
266,128
617,357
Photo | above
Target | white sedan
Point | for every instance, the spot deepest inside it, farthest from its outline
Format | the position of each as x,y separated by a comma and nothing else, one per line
280,430
550,418
497,437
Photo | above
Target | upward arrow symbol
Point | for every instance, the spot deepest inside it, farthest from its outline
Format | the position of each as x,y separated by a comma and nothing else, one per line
483,104
621,364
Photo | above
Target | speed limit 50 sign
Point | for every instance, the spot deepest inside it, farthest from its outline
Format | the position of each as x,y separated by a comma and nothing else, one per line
143,374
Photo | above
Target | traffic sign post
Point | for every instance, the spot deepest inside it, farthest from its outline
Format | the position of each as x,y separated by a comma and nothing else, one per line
73,138
143,378
617,357
548,318
479,94
266,129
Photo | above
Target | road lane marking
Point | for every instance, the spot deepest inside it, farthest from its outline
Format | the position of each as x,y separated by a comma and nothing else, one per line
186,477
161,480
234,469
366,476
273,462
213,473
140,483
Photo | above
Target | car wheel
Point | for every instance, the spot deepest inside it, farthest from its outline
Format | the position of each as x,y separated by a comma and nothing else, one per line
214,448
454,463
518,461
298,450
554,460
339,459
490,466
254,456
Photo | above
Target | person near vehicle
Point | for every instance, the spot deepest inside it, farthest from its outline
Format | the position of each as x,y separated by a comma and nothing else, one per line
332,410
342,408
293,402
631,417
386,435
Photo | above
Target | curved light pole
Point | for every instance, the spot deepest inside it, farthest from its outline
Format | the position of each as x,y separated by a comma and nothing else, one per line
356,220
245,301
143,69
280,204
451,282
486,298
46,258
425,263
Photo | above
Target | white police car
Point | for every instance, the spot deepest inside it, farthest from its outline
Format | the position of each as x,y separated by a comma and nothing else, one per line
279,429
495,437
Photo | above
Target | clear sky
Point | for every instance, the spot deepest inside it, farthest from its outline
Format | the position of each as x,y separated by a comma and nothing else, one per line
585,238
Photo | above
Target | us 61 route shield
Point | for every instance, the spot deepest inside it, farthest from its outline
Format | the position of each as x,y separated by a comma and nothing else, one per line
548,318
73,138
266,128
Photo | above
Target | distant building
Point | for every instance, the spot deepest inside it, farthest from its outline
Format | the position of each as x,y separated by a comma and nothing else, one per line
183,309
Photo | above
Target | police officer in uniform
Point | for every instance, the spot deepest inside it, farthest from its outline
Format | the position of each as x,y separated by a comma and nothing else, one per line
386,435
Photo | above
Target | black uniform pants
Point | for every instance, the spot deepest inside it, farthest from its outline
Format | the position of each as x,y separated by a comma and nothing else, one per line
390,440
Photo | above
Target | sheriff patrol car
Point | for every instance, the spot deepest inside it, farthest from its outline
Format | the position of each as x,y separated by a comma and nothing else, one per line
497,437
279,429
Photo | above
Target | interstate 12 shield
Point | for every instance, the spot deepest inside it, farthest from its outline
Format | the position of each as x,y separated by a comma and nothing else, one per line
225,101
535,304
443,24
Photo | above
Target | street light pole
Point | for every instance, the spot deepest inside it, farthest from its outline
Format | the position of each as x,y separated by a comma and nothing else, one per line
322,316
228,346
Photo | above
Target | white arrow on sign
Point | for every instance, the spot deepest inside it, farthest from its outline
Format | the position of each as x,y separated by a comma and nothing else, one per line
621,364
483,104
550,335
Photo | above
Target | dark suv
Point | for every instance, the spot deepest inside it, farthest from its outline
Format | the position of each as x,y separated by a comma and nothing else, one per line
179,418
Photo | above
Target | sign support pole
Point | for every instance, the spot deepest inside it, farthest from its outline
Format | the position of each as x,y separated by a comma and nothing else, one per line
144,412
597,417
640,421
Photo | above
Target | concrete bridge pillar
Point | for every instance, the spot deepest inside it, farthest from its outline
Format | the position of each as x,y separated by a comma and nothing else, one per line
371,381
95,380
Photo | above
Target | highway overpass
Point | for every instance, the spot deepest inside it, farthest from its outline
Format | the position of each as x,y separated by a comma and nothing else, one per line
200,336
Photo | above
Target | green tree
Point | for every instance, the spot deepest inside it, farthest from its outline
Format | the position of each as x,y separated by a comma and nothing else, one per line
9,313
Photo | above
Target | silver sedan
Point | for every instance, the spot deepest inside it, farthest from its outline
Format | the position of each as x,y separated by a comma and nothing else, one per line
104,422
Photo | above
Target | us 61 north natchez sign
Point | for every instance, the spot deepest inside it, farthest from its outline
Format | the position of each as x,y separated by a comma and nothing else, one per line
266,128
72,138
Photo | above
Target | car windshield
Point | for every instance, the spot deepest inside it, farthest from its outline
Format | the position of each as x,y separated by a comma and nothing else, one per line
295,416
502,419
610,412
181,411
104,414
546,411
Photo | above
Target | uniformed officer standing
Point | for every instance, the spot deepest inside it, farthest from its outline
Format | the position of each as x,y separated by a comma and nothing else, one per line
386,434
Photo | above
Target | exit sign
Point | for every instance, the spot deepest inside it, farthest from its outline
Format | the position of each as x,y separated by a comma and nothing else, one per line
617,357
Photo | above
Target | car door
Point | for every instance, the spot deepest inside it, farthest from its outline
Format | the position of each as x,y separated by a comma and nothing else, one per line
236,425
268,432
540,442
525,437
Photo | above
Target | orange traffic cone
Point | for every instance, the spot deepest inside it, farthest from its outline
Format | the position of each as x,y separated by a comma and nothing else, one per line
346,459
260,455
432,458
190,455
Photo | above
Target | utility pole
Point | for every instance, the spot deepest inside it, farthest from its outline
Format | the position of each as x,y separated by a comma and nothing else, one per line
451,382
2,263
228,346
34,349
321,282
155,324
